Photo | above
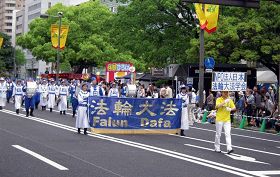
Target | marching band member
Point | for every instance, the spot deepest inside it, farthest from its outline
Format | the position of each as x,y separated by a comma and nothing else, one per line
52,95
10,87
95,89
73,96
62,95
18,95
184,117
82,117
29,100
3,93
43,90
114,91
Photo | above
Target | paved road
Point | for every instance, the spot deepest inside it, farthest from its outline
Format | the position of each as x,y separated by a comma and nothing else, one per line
48,145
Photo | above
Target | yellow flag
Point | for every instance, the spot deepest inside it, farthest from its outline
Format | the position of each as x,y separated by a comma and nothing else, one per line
208,18
1,42
63,35
212,15
200,15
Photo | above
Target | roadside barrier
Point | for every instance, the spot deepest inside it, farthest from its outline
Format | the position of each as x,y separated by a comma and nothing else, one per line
263,120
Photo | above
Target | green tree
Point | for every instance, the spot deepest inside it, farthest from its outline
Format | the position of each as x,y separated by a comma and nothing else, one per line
88,43
157,32
248,34
6,56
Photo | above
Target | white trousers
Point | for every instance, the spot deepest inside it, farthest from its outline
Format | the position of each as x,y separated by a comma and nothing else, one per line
3,101
82,118
18,101
51,101
184,119
62,105
227,129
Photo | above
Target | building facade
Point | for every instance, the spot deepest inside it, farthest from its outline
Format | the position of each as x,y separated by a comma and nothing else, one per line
6,16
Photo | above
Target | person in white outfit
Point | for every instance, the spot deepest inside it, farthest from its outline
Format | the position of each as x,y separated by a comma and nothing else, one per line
82,116
95,90
191,105
184,116
224,106
43,89
114,91
3,93
18,95
62,95
52,95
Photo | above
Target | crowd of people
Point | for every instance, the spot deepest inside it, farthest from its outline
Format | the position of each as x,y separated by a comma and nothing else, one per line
42,94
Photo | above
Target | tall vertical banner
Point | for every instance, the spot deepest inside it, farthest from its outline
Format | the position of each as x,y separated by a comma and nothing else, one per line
1,42
208,18
63,35
132,116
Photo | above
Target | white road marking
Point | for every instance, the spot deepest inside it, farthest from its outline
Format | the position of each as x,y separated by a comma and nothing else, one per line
38,156
251,137
278,147
233,156
189,158
239,147
273,172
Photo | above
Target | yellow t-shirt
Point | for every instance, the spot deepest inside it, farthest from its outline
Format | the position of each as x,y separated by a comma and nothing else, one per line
222,114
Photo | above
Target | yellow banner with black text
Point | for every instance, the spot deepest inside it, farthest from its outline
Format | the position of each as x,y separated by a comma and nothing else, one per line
63,35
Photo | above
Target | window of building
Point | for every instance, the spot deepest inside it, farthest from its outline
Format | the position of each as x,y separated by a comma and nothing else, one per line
8,30
49,5
10,5
32,16
8,24
9,18
34,7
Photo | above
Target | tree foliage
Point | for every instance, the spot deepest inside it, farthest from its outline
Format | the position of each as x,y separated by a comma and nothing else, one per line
7,54
248,34
88,43
155,31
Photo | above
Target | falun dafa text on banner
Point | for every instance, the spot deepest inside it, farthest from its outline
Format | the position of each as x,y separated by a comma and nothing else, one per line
63,35
208,18
1,42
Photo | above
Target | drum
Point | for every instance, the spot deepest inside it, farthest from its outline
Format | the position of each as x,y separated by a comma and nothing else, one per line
131,91
31,89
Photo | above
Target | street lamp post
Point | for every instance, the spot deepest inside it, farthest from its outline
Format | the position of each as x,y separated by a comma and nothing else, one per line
59,16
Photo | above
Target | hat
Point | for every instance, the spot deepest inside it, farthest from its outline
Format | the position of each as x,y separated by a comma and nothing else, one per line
93,79
193,89
2,79
182,86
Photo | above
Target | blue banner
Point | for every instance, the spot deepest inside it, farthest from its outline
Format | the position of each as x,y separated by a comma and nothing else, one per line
134,113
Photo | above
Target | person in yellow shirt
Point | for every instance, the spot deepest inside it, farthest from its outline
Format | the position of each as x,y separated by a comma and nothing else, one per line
224,105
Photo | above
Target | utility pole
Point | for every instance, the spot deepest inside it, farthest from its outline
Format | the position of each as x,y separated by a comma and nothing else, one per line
201,66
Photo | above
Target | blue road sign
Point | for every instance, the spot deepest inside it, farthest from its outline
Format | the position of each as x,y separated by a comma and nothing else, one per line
209,63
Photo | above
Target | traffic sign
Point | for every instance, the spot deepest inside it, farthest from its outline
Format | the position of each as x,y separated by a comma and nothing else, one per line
208,70
189,80
209,63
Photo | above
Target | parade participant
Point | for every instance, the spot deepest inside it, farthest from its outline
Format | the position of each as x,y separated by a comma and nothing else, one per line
95,90
114,91
224,106
62,96
82,117
37,95
30,90
3,93
52,95
141,91
184,116
18,95
10,87
43,90
191,105
123,90
73,96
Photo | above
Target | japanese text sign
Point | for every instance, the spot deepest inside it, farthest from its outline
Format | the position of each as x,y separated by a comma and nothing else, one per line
229,81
